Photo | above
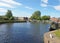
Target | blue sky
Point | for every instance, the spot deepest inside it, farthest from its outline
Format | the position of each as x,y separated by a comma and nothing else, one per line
25,8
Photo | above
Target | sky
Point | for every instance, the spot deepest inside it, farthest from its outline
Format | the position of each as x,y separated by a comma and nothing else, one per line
25,8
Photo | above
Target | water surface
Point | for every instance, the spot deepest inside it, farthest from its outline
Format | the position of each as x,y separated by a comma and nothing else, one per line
23,32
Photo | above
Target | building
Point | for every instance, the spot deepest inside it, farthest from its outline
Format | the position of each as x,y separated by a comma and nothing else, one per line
15,18
55,19
21,18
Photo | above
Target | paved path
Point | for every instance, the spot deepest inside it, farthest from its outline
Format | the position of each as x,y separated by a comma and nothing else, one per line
50,37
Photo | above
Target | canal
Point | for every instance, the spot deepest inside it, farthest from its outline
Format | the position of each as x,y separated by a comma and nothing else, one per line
23,32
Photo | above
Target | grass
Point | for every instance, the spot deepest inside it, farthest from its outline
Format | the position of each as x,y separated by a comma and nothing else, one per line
57,33
11,21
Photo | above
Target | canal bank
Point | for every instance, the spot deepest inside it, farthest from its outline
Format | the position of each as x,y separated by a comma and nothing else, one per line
12,21
50,37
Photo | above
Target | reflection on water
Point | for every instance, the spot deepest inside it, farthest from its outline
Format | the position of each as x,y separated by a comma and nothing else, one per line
36,32
22,32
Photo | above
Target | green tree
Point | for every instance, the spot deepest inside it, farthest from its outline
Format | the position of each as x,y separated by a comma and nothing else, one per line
45,17
36,15
9,14
12,18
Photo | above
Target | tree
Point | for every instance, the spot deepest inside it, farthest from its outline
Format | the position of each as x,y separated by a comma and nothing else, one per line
3,18
45,17
9,14
12,18
36,15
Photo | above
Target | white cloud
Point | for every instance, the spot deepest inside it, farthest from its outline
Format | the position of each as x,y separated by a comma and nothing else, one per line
28,8
5,5
45,1
11,2
2,10
57,7
43,5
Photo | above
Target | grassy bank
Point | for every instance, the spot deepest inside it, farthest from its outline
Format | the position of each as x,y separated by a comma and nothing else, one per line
57,33
11,21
